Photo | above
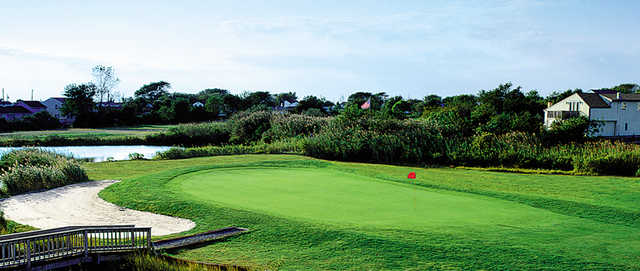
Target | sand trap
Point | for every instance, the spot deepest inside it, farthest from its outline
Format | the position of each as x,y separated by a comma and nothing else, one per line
79,205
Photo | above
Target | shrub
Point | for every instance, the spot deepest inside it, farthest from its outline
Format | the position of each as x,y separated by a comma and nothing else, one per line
569,130
248,127
35,169
136,156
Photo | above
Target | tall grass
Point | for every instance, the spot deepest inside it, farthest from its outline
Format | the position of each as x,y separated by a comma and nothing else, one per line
286,146
418,142
193,134
35,169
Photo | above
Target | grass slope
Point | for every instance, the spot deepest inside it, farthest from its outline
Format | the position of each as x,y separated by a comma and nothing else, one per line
336,215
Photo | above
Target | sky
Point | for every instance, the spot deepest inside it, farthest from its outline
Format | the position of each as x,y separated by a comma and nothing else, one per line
325,48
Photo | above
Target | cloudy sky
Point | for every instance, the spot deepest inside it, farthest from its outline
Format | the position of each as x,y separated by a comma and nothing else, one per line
327,48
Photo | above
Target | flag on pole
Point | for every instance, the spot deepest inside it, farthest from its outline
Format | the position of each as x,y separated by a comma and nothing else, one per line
366,104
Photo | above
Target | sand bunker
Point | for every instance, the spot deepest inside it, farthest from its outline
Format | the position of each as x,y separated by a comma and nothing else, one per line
79,205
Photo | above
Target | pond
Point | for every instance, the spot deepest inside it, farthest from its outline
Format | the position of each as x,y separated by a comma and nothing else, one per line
100,153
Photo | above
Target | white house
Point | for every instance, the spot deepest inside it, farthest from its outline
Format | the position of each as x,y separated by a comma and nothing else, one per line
53,106
617,113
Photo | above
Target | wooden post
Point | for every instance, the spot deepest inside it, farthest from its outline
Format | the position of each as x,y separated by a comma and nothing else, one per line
86,246
28,254
149,239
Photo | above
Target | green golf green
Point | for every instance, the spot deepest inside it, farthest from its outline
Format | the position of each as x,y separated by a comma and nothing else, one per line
337,197
310,214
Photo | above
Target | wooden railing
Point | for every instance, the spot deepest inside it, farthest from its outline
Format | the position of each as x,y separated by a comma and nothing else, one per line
25,249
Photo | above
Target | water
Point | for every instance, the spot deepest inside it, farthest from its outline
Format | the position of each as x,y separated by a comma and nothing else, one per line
100,153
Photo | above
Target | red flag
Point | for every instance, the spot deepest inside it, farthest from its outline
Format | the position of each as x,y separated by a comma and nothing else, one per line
412,175
366,104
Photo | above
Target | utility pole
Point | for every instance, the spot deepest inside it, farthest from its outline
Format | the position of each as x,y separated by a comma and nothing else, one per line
3,94
32,94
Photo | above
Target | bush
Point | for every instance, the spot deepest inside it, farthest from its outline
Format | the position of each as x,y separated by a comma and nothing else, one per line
35,169
570,130
248,127
136,156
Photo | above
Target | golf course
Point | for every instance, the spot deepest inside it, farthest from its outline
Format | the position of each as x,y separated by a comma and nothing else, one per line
306,213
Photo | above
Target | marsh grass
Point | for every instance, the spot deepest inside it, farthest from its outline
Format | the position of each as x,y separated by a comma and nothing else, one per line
34,169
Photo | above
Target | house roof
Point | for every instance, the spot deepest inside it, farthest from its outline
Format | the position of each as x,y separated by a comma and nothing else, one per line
59,99
623,96
14,110
593,100
34,104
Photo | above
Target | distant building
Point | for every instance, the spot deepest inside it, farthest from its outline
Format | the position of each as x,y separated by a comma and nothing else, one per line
32,106
286,106
14,112
617,113
54,105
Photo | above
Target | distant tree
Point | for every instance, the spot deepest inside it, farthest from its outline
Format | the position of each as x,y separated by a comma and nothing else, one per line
79,103
214,105
505,109
309,102
213,91
153,91
259,98
377,100
233,103
105,80
627,88
432,101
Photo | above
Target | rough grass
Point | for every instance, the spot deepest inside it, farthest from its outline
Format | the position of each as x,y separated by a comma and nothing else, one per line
567,223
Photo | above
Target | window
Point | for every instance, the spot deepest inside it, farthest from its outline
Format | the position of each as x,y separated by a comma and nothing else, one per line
638,104
626,126
623,106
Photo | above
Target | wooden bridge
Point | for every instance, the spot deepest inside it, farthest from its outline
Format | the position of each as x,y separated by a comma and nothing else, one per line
69,245
61,247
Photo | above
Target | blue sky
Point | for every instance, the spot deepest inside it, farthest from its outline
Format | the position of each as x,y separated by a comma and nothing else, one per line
326,48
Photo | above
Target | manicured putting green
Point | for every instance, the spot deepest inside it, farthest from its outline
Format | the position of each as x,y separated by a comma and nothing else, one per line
337,197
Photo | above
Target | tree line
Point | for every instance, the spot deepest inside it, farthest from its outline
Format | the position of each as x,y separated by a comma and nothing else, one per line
505,108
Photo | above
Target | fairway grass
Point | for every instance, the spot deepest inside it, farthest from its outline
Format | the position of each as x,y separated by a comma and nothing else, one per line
306,213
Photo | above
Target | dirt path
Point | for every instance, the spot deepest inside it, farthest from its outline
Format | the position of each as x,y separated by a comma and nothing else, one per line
79,205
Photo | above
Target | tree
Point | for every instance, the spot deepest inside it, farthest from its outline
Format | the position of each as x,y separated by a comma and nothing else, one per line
214,105
151,92
105,80
627,88
309,102
79,103
259,98
377,100
432,101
